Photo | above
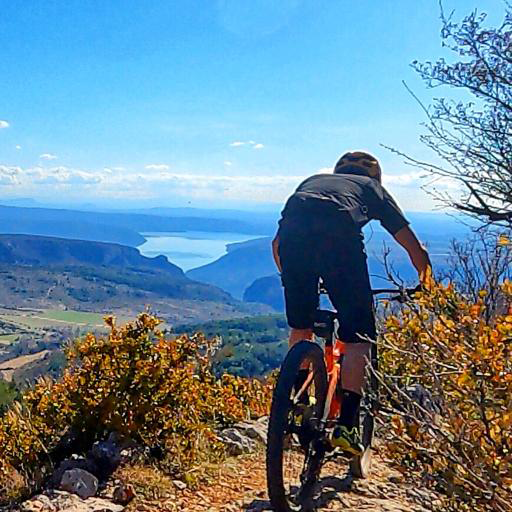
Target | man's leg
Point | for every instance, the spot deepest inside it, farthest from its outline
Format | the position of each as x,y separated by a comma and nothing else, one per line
353,372
300,282
349,290
301,294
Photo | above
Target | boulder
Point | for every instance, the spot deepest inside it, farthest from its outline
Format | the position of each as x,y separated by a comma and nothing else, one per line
79,482
237,442
61,501
40,503
123,494
75,462
253,429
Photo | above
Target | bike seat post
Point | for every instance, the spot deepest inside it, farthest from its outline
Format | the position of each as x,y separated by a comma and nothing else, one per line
323,325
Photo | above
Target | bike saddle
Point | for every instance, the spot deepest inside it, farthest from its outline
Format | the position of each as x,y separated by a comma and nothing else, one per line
323,324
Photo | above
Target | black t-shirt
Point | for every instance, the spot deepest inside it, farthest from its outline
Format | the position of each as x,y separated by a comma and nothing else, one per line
338,199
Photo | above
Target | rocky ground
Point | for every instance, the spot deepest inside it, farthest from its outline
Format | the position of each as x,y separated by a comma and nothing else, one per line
238,484
241,486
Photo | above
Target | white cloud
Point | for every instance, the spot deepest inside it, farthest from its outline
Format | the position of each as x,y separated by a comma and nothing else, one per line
252,143
48,156
9,175
63,176
404,179
157,167
4,124
159,184
228,163
18,147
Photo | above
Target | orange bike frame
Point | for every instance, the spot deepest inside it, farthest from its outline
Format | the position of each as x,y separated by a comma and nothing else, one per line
333,353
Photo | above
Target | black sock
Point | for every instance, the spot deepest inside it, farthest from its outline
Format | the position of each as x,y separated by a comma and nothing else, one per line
349,416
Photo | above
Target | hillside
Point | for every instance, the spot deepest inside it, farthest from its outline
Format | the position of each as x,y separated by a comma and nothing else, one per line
237,269
44,272
202,437
266,290
42,251
250,347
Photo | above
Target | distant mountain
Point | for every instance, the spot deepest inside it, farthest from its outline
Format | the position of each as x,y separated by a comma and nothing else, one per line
124,228
266,290
265,222
20,201
254,242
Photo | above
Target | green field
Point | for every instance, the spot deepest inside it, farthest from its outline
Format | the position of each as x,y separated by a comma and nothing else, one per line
7,339
33,320
73,317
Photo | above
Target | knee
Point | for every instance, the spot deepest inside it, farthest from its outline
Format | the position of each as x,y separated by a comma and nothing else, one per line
297,335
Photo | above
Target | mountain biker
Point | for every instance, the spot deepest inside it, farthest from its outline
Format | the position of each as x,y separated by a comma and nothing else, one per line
319,236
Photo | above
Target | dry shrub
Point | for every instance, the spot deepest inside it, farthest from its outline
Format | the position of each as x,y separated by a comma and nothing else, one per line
158,392
458,436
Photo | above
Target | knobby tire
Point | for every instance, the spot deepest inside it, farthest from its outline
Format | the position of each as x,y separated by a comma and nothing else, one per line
280,418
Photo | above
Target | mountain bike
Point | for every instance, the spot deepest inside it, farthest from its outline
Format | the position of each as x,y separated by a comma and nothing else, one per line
302,420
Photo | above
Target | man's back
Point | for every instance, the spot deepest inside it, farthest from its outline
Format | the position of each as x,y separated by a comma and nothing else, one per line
342,198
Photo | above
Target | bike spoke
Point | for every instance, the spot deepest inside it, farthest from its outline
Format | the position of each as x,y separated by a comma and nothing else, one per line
297,406
295,451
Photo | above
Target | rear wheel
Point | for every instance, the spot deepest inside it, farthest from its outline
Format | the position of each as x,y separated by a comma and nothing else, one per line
294,448
360,465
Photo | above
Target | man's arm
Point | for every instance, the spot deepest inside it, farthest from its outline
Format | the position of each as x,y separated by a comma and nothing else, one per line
275,252
417,252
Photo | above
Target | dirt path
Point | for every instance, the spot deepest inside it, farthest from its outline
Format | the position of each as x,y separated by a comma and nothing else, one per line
240,487
7,368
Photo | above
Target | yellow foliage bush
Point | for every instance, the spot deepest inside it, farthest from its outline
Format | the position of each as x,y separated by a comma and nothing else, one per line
156,391
463,446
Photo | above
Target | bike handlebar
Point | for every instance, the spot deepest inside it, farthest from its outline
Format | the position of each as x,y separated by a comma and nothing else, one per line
401,293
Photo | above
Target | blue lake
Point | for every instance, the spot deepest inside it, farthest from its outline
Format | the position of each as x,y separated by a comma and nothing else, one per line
192,248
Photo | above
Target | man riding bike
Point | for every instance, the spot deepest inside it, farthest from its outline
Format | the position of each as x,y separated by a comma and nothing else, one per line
319,236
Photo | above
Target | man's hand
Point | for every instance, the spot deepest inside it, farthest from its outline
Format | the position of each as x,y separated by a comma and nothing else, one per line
275,253
418,254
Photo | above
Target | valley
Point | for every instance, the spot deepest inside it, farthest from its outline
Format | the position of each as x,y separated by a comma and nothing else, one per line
53,289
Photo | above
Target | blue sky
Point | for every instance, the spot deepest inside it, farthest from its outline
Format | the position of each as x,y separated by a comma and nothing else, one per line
145,101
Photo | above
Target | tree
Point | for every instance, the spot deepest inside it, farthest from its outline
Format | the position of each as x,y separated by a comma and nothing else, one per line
473,137
479,266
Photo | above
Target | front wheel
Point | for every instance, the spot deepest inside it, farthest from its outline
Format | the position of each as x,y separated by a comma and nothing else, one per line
294,451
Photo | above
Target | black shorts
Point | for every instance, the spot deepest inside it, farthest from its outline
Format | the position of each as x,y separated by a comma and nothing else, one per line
339,259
